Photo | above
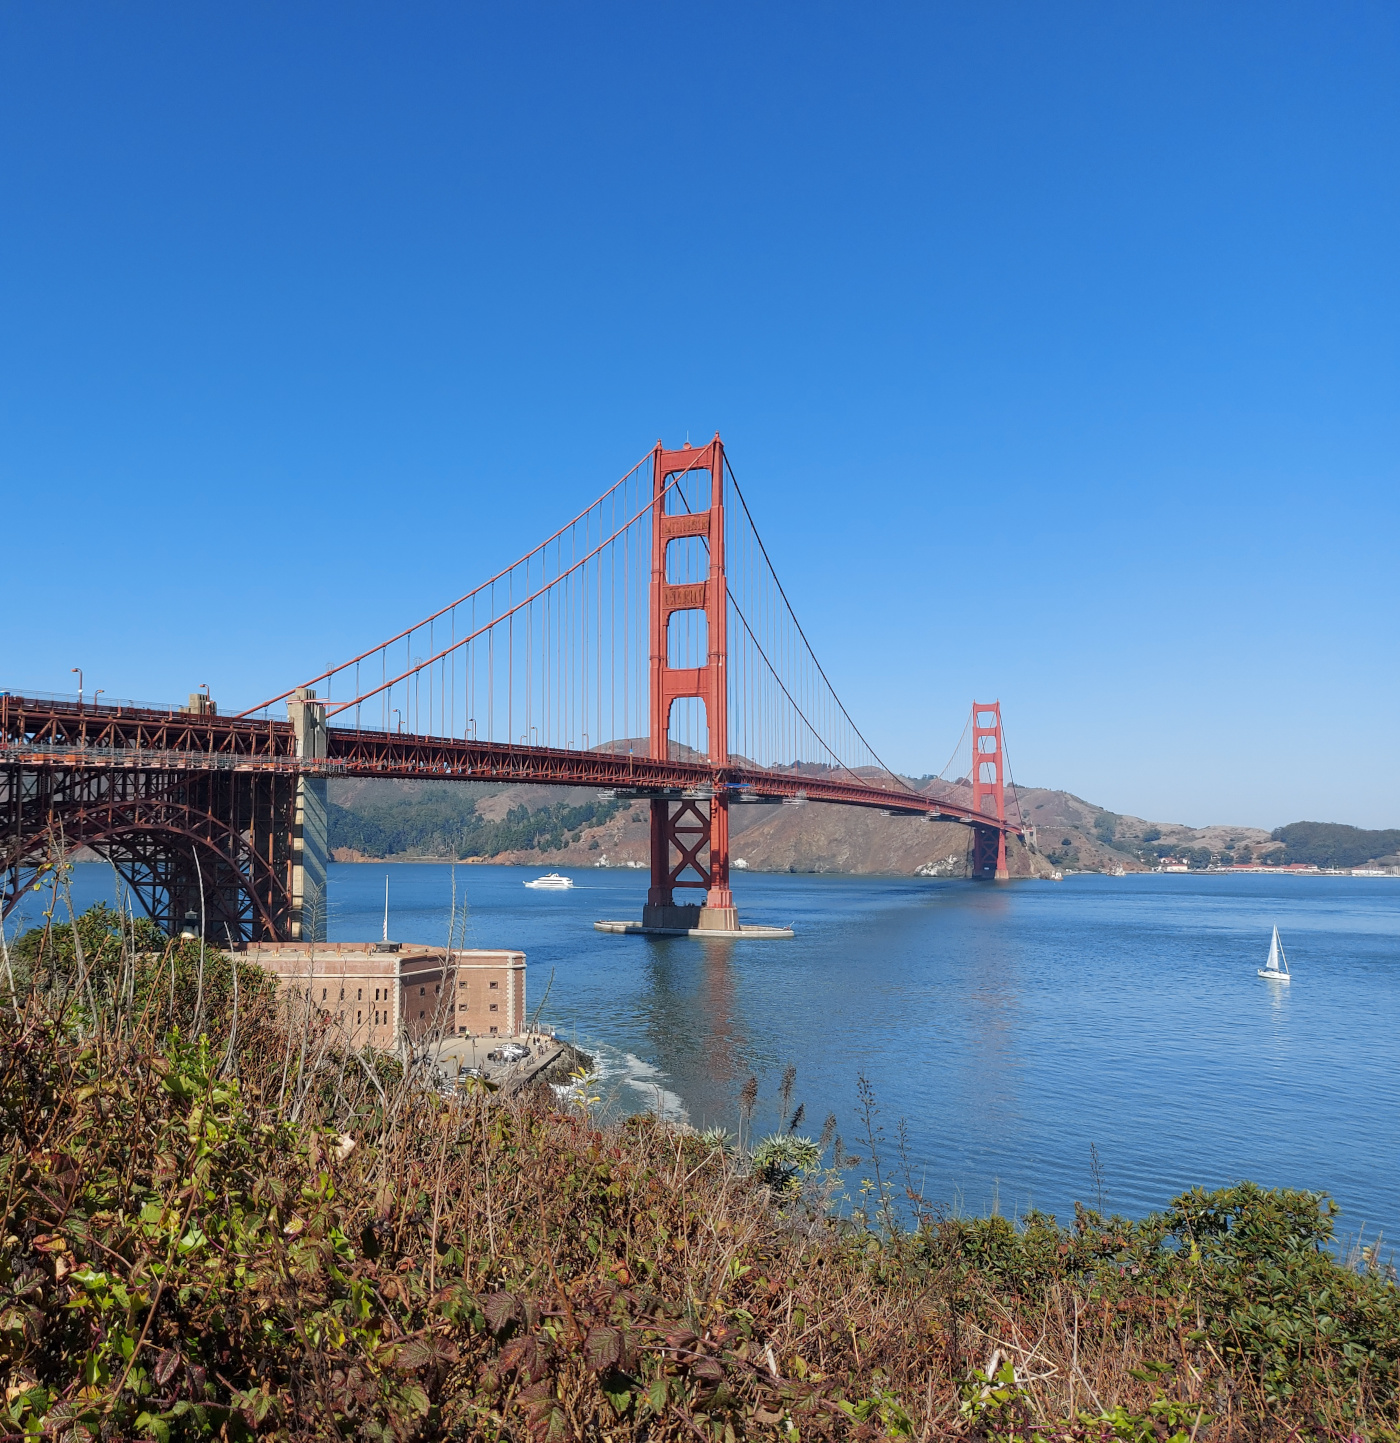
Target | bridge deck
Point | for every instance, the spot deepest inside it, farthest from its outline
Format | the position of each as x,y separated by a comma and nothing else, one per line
44,733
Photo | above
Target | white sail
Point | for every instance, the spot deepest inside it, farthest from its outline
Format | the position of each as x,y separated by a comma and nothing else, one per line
1277,968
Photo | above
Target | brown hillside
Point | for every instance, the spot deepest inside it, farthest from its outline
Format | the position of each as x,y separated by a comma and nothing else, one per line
1067,832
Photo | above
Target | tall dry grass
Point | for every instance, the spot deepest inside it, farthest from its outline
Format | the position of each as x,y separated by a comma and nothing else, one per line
191,1248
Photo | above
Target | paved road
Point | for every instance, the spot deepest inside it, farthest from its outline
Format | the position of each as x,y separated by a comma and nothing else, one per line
457,1054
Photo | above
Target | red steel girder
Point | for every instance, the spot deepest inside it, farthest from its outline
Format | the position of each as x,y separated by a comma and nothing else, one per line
59,725
38,734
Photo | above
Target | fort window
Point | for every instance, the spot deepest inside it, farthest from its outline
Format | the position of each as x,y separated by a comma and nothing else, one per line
495,985
494,1008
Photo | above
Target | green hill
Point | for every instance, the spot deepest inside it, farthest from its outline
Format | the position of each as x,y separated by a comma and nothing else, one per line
1330,844
449,825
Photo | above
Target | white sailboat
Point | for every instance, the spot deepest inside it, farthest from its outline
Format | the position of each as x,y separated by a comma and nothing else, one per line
551,882
1277,968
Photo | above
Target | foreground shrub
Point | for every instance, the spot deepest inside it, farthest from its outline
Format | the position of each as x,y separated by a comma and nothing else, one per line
180,1258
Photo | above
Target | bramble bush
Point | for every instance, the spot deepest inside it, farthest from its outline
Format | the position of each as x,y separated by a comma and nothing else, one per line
258,1234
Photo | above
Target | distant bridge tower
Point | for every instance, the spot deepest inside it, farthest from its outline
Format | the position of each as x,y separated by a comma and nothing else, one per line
690,834
988,791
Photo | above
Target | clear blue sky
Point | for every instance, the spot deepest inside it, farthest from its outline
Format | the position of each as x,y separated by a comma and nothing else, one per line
1056,348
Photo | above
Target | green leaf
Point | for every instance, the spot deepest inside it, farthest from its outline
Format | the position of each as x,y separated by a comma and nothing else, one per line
656,1395
154,1425
621,1398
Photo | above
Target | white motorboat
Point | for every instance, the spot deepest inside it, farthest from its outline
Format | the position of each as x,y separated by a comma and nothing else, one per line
1276,970
551,882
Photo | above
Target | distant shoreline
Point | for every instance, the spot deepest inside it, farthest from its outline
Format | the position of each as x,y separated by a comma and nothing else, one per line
1362,876
486,862
1348,874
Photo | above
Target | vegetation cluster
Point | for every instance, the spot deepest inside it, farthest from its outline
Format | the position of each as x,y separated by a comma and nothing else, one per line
1319,844
251,1231
452,827
1329,844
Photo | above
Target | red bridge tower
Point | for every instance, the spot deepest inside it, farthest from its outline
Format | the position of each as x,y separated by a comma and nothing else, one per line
694,824
988,791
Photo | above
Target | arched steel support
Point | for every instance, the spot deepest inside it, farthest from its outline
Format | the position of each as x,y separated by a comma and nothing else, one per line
151,826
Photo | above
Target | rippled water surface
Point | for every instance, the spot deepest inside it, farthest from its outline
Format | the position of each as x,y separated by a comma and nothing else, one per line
1010,1026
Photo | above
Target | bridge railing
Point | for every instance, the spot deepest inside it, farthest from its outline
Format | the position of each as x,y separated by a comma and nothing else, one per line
147,759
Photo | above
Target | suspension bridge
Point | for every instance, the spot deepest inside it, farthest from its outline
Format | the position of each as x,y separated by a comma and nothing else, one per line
647,648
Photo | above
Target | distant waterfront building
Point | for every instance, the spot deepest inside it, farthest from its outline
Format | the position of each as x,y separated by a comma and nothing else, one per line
380,993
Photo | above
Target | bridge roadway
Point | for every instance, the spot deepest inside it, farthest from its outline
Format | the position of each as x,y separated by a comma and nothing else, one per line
61,734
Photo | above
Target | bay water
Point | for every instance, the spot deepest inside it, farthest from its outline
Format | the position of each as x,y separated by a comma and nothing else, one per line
1011,1027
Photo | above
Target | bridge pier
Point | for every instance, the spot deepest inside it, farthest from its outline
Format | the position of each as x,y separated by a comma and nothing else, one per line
689,829
719,913
989,854
311,822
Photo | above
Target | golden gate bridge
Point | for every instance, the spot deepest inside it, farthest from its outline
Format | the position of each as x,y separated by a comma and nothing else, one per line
647,648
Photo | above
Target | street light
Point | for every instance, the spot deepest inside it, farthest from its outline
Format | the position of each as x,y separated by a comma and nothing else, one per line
97,694
79,670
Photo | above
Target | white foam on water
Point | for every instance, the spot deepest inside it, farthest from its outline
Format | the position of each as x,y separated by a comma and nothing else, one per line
628,1085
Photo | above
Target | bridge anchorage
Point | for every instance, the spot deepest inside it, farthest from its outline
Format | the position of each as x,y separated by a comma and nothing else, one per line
646,649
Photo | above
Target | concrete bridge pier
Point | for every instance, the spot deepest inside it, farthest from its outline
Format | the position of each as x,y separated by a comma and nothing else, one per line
690,848
310,825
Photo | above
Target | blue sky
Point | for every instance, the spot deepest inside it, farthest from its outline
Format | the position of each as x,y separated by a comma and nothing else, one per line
1055,348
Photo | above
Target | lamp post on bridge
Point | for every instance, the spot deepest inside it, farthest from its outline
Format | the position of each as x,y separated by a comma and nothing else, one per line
79,670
